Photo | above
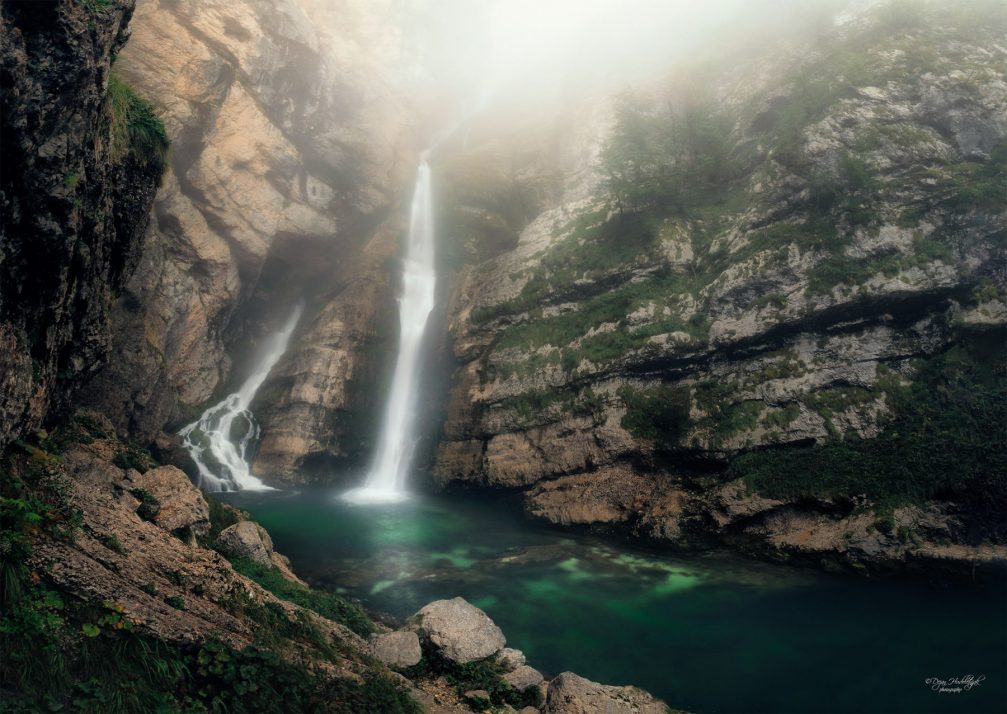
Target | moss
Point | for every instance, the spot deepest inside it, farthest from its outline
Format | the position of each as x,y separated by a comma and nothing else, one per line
781,418
221,516
945,439
149,505
327,604
485,675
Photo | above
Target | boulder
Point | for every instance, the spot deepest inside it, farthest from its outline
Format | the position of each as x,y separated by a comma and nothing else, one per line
460,631
477,696
523,677
182,505
397,649
571,694
247,539
510,659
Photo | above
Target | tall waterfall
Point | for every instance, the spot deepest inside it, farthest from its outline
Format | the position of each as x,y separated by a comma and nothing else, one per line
386,480
218,441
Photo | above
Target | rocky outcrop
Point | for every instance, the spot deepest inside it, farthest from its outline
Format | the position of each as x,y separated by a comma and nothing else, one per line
570,694
459,631
74,198
617,364
289,148
182,508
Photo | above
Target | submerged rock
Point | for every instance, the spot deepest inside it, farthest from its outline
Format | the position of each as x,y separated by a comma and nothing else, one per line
460,631
397,649
571,694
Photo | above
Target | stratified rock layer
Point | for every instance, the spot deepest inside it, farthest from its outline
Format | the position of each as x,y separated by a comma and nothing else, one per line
614,364
289,148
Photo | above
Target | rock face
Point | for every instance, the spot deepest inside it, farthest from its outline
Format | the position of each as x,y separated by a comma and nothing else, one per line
182,506
289,148
460,631
397,649
652,368
570,694
73,202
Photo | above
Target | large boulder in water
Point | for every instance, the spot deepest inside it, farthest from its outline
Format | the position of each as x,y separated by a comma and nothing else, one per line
571,694
460,631
397,649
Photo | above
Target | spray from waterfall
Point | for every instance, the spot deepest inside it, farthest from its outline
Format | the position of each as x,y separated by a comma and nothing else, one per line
219,440
386,480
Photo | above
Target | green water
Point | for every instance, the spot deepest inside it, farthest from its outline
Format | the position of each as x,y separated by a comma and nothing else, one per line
706,633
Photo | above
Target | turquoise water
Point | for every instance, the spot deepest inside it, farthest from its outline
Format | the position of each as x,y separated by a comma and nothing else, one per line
707,633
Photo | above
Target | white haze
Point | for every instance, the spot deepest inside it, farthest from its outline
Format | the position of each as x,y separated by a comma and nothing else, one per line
541,50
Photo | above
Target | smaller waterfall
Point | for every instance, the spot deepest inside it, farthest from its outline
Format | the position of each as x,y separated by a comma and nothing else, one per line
219,440
386,480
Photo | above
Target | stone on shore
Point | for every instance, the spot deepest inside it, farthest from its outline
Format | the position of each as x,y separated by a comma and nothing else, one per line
397,649
571,694
460,631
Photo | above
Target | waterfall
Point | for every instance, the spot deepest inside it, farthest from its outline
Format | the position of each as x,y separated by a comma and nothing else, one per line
386,480
219,440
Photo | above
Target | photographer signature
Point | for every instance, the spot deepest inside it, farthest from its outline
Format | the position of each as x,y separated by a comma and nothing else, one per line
955,685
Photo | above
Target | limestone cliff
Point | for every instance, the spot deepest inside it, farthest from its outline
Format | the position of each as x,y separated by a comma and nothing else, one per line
82,156
290,150
738,343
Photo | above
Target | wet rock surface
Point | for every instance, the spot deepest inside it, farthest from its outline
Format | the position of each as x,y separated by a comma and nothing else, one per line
276,186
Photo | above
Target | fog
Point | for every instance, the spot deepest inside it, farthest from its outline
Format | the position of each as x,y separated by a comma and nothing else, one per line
513,51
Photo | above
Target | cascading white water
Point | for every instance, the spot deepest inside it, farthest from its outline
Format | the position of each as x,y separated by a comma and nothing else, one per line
386,480
218,441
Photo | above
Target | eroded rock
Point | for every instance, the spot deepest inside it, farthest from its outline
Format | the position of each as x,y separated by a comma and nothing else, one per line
182,505
397,649
524,677
460,631
571,694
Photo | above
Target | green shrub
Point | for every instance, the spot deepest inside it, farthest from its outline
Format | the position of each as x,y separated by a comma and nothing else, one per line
659,415
135,130
944,440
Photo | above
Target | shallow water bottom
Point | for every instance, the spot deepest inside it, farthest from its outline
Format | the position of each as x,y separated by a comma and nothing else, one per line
707,633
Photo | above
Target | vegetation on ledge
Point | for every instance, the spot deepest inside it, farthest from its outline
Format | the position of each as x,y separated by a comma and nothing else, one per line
945,440
135,130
